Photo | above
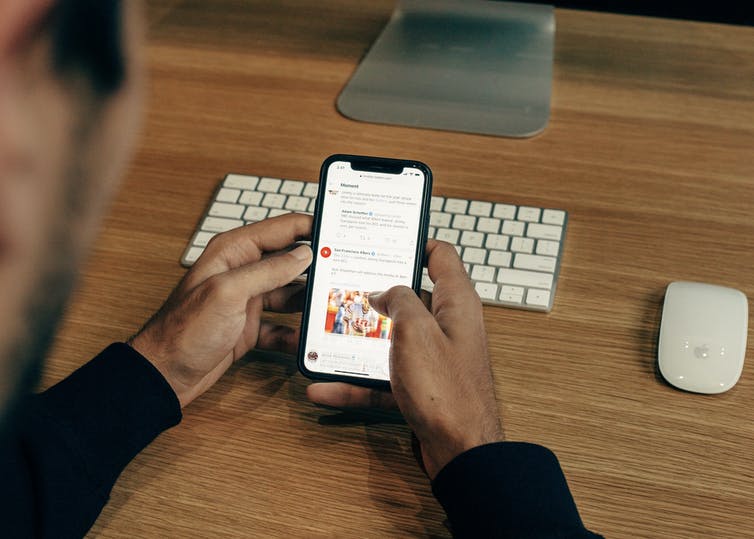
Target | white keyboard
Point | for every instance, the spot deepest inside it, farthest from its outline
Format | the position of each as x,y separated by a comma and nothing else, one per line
511,253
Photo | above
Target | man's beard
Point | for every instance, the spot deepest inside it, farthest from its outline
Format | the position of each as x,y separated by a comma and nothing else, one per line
22,358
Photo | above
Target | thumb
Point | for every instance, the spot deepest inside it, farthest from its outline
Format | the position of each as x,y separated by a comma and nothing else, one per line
271,273
399,303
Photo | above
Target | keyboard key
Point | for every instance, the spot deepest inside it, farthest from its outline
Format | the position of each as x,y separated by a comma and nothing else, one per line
447,234
274,212
525,278
483,273
474,256
464,222
431,232
251,198
534,262
255,213
312,205
499,258
295,203
202,238
545,232
488,224
538,297
269,185
480,209
311,189
292,187
512,294
547,247
223,209
193,254
228,195
456,205
527,213
504,211
553,217
219,224
471,239
273,200
486,290
438,219
513,228
522,245
237,181
516,290
435,203
496,241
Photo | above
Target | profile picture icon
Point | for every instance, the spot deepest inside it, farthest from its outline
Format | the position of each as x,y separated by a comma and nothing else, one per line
325,252
312,355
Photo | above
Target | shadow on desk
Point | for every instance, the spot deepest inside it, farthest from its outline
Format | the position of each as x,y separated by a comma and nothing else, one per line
393,464
648,333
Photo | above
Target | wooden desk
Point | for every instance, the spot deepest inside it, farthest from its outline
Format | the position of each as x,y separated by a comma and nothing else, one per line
649,148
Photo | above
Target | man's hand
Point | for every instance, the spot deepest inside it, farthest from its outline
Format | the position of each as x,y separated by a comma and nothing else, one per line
213,317
439,369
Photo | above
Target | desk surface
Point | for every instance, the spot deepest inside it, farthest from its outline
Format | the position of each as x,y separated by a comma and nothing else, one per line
649,148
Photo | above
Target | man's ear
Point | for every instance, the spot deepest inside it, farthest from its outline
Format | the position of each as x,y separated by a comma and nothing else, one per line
19,19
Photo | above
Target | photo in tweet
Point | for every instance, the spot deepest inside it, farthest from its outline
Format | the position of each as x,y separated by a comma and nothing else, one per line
349,313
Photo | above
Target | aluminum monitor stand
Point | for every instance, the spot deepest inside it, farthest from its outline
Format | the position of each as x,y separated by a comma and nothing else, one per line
462,65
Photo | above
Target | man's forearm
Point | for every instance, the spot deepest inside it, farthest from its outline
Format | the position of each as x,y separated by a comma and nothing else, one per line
72,441
508,489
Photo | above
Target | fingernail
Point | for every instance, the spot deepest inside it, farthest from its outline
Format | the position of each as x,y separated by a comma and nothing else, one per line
302,252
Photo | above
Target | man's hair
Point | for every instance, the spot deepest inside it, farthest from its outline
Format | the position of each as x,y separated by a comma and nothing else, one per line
87,38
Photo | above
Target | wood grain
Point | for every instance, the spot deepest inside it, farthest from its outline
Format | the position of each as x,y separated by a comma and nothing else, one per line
650,150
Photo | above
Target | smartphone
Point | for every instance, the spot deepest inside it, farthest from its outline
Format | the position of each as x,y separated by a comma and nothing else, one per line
369,234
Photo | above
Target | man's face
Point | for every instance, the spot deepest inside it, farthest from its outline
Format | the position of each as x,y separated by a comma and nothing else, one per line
63,148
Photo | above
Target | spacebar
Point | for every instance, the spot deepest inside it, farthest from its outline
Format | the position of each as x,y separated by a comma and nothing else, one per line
525,278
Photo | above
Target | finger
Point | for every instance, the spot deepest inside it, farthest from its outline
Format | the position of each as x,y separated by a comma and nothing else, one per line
288,299
401,304
275,233
455,303
342,395
253,280
246,244
285,249
444,263
277,338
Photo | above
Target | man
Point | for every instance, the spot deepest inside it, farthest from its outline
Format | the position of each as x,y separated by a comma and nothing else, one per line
70,93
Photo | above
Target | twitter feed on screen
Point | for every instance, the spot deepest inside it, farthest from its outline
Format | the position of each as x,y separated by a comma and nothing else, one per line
367,242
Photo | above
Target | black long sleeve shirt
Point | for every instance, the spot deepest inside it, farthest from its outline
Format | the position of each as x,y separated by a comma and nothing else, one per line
66,447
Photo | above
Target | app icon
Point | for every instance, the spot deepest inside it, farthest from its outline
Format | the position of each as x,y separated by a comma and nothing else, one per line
325,252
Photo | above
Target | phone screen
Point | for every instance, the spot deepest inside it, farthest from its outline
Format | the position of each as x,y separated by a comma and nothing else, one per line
371,238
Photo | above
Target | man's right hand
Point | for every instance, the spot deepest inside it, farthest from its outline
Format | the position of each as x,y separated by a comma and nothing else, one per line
213,317
439,368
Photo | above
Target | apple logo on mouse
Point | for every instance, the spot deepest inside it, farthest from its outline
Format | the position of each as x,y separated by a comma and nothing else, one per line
710,323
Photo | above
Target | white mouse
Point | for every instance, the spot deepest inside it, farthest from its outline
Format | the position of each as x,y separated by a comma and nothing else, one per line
702,336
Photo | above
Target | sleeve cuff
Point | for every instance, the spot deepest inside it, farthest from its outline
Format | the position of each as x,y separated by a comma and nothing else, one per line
508,489
110,409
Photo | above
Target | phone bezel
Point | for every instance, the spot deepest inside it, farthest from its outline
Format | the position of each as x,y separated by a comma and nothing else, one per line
369,164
